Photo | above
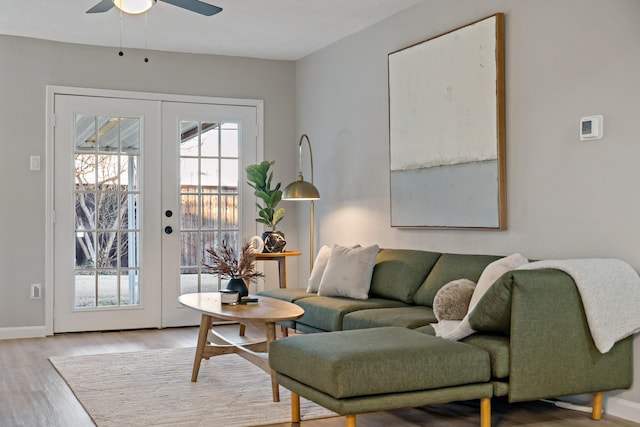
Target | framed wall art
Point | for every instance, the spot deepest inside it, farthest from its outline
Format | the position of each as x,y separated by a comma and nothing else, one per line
447,130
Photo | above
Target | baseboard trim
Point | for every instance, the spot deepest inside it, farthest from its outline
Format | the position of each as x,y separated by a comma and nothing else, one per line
622,408
23,332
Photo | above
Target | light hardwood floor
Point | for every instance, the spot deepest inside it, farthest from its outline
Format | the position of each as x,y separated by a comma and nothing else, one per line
33,394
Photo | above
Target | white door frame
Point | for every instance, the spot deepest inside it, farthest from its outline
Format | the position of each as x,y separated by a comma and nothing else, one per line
53,90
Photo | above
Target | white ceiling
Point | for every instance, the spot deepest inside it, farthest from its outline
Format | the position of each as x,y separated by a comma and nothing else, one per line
274,29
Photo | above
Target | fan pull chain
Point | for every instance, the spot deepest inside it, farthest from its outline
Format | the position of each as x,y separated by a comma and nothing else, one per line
146,38
121,53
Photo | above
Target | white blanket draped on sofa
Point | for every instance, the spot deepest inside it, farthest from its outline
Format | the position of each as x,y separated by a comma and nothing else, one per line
610,292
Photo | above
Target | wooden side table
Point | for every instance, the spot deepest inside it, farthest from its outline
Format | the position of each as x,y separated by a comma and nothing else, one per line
281,257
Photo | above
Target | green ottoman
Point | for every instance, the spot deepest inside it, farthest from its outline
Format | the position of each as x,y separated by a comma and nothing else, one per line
369,370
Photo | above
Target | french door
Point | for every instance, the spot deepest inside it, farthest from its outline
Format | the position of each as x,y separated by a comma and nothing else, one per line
205,198
141,189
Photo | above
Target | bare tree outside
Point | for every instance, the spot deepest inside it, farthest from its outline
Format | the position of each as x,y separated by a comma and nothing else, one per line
107,197
101,210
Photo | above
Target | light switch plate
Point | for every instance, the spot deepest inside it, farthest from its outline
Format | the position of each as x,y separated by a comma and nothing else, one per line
34,163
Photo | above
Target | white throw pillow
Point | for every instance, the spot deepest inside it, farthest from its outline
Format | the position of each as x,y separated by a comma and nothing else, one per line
319,266
490,274
348,272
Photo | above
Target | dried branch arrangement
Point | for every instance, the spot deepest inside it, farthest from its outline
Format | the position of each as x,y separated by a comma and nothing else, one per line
227,265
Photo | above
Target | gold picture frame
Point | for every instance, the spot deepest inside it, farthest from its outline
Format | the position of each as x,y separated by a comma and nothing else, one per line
447,130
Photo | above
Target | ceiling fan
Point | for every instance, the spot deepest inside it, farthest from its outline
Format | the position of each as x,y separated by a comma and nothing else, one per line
135,7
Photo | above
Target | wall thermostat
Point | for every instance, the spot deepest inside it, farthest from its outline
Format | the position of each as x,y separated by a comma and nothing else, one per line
591,128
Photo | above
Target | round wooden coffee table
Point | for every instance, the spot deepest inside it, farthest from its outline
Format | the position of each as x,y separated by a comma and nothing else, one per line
267,311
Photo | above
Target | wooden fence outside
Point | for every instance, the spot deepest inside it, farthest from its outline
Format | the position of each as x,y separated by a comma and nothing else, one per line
205,216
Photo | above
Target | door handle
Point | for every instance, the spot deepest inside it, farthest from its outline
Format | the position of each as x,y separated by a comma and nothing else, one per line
168,229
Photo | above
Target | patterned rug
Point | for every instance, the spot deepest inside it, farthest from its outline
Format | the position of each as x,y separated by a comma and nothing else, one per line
154,388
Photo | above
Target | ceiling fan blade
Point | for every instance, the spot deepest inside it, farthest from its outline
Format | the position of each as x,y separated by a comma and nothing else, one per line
196,6
103,6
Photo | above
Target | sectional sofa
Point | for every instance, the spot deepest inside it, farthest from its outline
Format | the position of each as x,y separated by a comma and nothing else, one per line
531,340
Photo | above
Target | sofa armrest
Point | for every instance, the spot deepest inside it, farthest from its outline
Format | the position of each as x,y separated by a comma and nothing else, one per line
552,352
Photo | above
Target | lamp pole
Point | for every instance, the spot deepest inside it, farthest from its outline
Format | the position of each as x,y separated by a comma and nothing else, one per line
302,190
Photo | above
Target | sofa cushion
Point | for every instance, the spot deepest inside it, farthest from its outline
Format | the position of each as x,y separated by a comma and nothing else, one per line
378,361
452,300
496,345
319,265
286,294
426,329
498,348
327,313
399,273
407,317
348,272
451,267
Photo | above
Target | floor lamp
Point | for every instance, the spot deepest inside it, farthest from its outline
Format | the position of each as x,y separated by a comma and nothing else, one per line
302,190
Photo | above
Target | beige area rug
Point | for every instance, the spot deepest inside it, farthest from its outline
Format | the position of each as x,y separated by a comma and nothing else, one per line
154,388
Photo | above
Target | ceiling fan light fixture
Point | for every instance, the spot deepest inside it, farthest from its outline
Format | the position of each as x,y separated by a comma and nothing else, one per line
133,7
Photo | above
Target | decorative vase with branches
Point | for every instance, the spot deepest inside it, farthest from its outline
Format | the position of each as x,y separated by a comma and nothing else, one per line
227,265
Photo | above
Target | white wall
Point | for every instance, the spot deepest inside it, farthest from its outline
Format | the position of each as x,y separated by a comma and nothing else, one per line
564,59
28,65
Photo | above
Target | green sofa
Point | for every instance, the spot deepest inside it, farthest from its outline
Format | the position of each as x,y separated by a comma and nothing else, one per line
381,353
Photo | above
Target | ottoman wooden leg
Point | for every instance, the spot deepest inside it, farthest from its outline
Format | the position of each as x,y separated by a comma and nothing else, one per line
351,421
485,412
596,410
295,407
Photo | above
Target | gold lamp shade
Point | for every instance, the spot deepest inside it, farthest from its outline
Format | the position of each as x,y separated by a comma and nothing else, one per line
300,190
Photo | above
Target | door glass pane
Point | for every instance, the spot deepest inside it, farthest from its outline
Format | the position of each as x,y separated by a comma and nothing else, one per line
229,175
207,241
209,174
85,289
108,172
107,212
109,209
129,178
209,211
190,244
107,134
128,284
190,145
189,280
189,173
229,140
229,207
209,182
190,211
210,137
130,136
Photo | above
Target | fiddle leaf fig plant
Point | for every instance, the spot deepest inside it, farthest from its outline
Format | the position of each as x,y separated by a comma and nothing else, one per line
260,177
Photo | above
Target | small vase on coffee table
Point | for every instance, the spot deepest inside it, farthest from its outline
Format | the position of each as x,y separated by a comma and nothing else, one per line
239,286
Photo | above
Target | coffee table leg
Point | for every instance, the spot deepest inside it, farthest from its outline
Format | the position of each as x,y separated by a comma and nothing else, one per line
271,336
205,324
